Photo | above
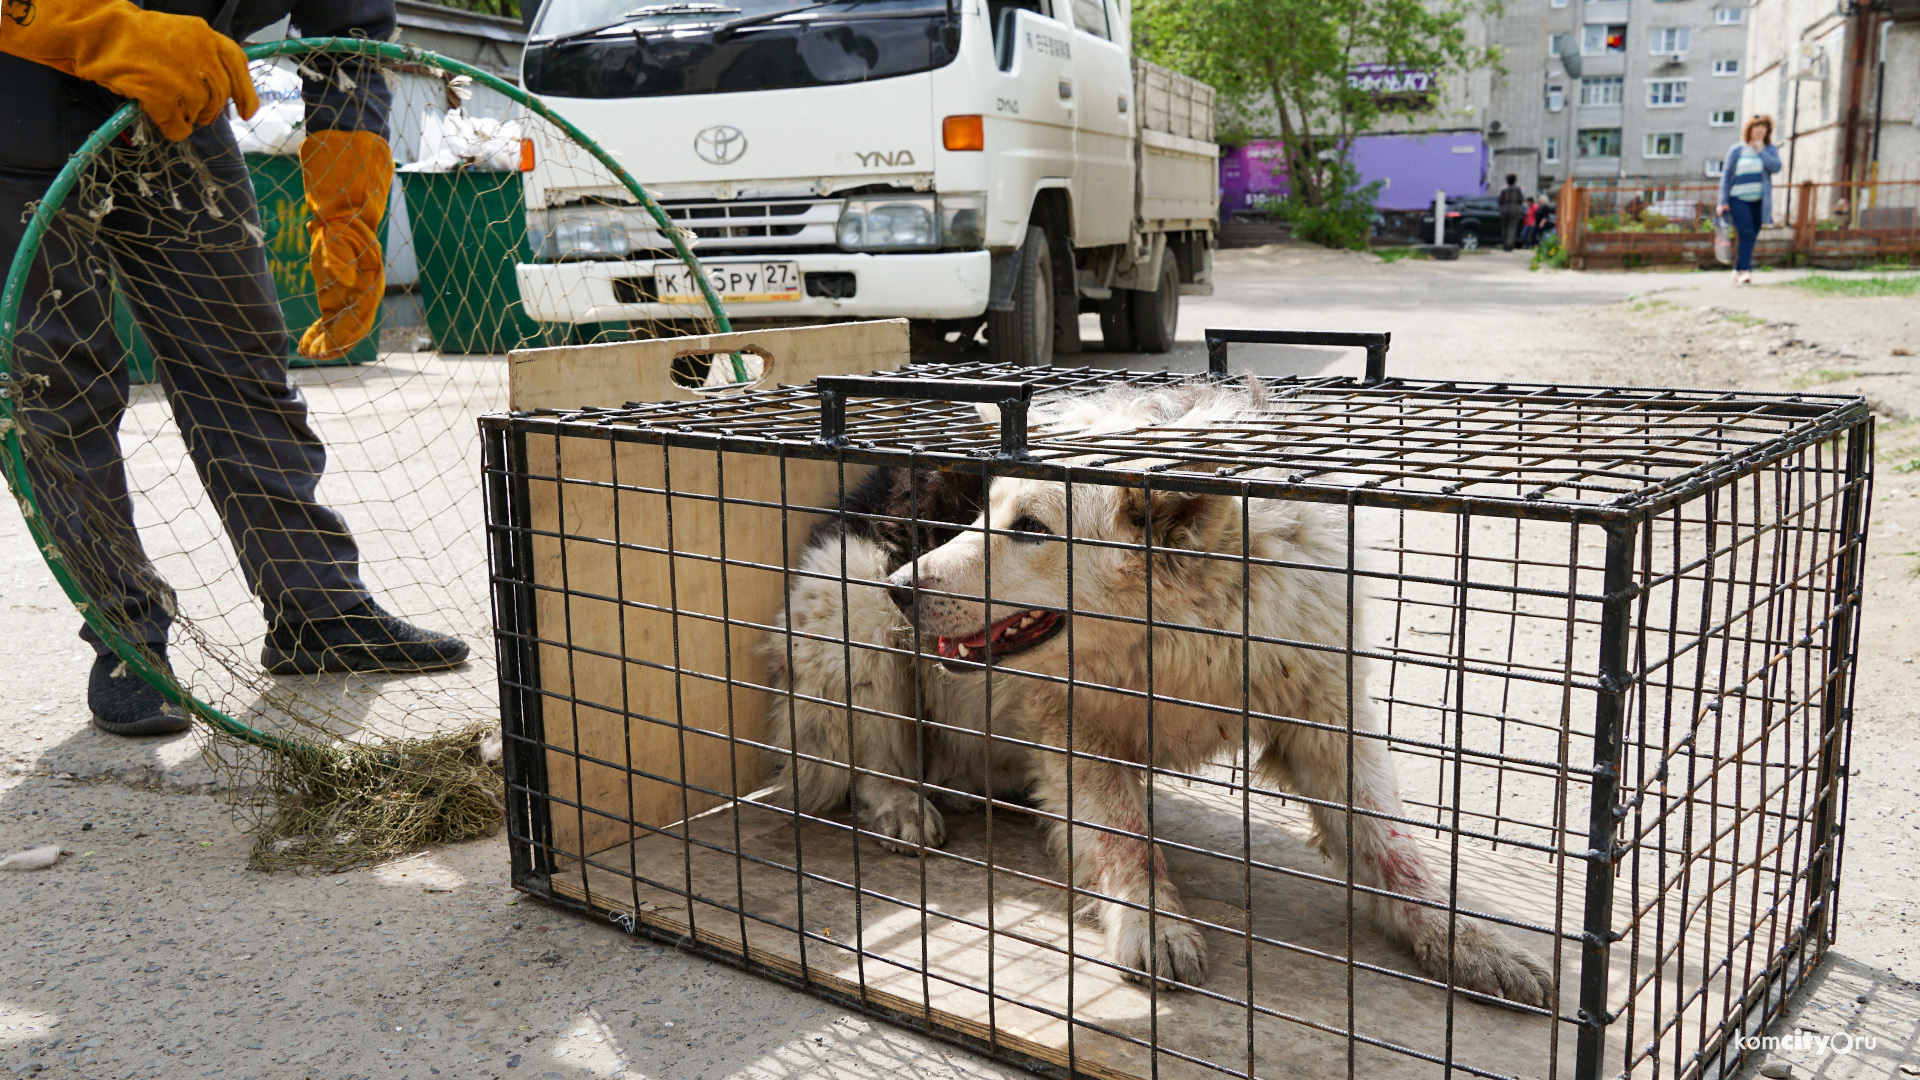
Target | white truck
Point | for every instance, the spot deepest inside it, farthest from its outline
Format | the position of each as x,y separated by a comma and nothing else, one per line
977,166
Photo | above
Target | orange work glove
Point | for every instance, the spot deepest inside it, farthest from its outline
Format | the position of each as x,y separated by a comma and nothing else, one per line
181,71
348,175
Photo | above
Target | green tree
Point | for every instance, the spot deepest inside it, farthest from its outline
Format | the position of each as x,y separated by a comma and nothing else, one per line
508,8
1286,62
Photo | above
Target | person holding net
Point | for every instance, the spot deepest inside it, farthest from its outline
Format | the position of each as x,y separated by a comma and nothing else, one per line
181,243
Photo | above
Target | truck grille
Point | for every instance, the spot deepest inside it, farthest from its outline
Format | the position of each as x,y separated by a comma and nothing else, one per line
759,223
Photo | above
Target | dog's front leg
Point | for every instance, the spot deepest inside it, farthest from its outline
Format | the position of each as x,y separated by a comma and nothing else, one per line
1385,857
1119,868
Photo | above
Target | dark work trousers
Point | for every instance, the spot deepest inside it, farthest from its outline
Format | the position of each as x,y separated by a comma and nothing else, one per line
1746,229
198,287
1509,228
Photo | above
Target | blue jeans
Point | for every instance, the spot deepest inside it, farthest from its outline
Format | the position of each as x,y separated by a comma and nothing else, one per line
1746,226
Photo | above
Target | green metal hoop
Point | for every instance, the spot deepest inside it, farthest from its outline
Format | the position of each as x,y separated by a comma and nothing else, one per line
13,457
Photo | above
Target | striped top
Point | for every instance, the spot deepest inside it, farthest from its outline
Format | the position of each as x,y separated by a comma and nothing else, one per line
1748,173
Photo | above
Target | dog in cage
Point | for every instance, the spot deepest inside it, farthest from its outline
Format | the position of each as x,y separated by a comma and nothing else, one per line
901,664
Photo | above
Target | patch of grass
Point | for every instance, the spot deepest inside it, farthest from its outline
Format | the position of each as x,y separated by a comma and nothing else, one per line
1892,264
1822,376
1645,304
1393,254
1909,465
1835,285
1743,319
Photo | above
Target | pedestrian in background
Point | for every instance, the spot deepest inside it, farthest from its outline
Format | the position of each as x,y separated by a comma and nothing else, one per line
1513,204
1746,191
1530,223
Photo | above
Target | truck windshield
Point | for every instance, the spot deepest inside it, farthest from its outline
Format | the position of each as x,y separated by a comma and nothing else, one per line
620,48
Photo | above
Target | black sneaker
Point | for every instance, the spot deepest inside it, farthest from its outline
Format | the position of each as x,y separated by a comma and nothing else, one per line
364,639
123,703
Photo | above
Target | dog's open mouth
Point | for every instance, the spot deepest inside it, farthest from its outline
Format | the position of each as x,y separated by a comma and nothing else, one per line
1015,633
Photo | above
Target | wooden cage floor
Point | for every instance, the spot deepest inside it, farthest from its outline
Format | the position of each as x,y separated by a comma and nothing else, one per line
1025,956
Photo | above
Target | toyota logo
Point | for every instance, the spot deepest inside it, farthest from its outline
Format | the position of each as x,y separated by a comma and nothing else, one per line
721,144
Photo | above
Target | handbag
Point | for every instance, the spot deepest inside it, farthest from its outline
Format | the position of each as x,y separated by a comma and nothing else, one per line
1723,241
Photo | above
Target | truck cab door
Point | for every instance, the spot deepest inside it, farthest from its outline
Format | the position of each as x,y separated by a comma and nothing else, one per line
1033,111
1103,72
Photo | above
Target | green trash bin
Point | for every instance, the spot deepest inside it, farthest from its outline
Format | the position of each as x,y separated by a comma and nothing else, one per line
469,231
282,198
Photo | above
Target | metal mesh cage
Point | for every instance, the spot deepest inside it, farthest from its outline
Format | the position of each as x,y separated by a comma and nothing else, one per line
1311,726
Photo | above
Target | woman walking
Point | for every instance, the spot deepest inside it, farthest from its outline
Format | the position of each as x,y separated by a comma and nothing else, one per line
1746,190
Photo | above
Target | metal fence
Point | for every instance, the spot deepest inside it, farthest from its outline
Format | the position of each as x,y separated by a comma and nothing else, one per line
1824,224
1282,727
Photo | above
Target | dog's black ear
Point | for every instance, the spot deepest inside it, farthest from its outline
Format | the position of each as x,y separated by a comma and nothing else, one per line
1179,519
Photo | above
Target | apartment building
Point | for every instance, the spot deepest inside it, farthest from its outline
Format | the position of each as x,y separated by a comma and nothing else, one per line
1843,82
1616,89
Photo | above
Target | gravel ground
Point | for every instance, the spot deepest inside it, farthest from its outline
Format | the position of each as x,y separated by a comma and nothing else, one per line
152,951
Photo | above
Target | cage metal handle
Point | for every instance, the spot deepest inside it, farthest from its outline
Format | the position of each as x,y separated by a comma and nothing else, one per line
1375,342
1011,397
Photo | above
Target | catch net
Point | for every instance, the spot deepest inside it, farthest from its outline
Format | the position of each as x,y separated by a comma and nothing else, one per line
194,480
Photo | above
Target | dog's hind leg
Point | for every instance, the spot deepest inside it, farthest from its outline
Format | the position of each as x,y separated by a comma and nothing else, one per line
1313,763
1116,862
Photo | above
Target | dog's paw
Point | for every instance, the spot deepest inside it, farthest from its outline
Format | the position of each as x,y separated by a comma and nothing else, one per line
1487,961
1173,949
905,823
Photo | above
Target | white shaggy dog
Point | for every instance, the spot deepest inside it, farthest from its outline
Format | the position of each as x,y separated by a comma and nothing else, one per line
1300,745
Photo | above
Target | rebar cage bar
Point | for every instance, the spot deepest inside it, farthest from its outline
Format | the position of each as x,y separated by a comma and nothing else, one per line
1604,638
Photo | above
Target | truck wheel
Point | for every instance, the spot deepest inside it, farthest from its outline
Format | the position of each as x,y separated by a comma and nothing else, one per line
1156,313
1116,321
1024,336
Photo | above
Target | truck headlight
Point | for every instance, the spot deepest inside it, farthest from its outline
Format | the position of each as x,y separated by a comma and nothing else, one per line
900,222
888,223
581,236
963,220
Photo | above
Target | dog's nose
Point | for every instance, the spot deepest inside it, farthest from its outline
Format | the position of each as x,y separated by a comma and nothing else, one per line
902,595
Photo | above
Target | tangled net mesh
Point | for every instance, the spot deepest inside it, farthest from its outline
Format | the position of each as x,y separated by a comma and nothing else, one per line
146,288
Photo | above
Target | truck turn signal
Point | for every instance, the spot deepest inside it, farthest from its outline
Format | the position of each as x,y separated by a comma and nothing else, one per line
963,133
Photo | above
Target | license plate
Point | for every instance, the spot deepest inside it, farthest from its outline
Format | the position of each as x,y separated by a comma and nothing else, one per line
734,283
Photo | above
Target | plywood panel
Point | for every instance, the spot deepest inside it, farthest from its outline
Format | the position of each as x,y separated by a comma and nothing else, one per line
1301,998
646,667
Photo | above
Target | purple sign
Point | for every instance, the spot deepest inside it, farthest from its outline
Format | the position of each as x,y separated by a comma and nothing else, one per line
1251,172
1384,80
1410,167
1413,167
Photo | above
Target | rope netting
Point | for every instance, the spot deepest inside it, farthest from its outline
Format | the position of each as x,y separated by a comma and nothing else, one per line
198,465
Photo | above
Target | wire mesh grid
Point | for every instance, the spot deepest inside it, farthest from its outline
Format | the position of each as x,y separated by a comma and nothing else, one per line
1136,725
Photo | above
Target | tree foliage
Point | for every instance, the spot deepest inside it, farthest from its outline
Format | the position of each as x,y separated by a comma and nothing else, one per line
1287,62
507,8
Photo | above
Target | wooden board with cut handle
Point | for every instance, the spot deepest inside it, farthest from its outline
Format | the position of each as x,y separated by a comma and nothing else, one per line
636,665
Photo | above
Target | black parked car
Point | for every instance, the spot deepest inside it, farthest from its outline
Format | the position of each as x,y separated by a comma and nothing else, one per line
1472,222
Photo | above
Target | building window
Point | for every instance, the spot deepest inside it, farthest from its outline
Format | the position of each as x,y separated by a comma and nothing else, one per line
1603,90
1729,16
1664,144
1666,93
1726,67
1670,40
1559,3
1599,38
1556,99
1715,167
1552,151
1556,44
1723,118
1599,142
